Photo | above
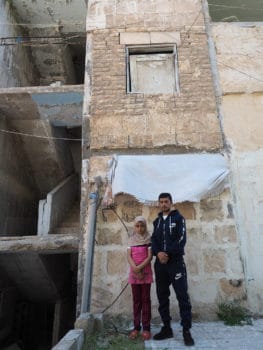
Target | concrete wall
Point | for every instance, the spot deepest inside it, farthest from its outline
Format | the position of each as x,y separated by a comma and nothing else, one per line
18,196
16,68
155,123
240,66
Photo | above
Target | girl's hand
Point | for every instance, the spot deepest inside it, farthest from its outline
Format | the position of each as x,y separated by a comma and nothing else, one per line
136,269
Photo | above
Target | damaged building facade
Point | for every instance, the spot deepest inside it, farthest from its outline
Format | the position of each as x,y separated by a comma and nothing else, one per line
160,80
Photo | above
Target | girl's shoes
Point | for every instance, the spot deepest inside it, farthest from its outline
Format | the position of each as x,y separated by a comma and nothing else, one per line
146,335
134,334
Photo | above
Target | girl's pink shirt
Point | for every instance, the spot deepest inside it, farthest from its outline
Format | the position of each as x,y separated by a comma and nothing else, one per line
139,254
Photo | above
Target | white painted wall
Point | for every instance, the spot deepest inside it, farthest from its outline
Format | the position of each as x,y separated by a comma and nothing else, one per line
239,60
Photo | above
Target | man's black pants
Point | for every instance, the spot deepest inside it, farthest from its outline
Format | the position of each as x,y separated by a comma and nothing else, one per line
174,272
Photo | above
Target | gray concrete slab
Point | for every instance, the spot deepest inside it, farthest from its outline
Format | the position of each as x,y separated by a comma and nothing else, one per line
214,335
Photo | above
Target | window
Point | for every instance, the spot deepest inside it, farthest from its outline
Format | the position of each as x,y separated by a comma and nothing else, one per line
152,70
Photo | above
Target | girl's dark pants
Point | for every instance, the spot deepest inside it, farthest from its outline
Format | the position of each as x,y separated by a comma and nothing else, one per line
174,272
141,294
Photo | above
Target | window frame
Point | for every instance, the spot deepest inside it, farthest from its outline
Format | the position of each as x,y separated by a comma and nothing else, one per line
151,49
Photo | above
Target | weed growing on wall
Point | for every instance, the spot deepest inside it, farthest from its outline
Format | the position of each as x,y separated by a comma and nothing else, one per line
233,314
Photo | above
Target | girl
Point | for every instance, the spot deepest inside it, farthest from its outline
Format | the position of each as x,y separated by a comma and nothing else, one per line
139,255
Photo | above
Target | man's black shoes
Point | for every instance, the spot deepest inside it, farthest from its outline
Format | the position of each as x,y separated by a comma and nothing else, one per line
188,340
165,333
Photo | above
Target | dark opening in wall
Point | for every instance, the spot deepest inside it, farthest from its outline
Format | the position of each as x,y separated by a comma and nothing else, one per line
37,314
78,59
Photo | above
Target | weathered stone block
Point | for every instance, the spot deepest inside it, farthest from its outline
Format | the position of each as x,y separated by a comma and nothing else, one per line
98,322
136,38
116,262
153,212
226,233
193,233
187,210
102,296
192,263
232,289
86,322
108,236
131,209
211,210
98,268
214,261
107,215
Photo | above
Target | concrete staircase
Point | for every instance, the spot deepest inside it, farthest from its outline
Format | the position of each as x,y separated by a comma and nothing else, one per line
71,224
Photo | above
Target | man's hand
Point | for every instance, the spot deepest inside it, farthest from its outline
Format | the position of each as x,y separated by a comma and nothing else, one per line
163,257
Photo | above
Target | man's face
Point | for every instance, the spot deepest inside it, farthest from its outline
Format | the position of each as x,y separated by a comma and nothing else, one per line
165,204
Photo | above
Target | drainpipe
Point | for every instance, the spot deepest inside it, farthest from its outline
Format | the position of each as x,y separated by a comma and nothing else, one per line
88,267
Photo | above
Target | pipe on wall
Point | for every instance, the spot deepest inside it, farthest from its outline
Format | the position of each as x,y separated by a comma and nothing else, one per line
91,231
88,267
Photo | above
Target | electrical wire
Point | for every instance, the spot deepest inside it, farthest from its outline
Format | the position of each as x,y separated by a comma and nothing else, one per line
41,137
114,301
239,71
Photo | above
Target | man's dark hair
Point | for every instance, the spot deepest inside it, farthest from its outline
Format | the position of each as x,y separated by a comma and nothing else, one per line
165,195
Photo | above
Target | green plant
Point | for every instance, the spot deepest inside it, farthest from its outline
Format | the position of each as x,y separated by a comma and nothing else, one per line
233,314
103,341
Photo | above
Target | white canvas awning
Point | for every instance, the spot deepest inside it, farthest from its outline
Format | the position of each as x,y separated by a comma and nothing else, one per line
188,177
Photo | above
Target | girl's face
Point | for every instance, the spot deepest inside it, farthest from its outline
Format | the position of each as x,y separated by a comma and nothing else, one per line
140,227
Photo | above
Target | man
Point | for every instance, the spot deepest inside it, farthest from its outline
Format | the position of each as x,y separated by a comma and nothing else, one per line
168,241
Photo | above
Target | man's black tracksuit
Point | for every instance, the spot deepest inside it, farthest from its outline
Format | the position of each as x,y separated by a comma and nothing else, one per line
169,236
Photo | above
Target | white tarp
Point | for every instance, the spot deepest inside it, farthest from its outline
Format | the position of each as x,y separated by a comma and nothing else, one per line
188,177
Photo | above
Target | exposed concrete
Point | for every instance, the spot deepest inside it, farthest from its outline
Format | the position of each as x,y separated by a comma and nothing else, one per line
239,56
44,244
30,276
69,16
37,48
242,121
85,321
241,73
73,340
54,33
16,67
57,205
212,335
45,113
18,192
62,106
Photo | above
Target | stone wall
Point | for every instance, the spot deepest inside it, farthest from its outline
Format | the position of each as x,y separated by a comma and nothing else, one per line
119,120
132,123
212,253
239,61
15,60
